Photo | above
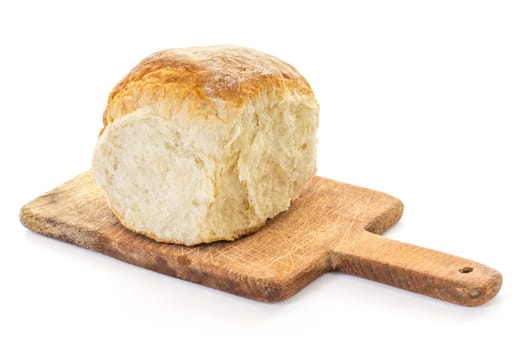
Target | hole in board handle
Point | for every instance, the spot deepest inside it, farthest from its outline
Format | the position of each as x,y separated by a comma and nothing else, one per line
466,269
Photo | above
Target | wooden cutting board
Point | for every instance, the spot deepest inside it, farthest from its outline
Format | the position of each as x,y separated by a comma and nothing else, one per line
333,226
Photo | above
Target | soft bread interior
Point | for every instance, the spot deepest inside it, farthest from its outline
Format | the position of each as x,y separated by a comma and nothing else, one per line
199,178
154,181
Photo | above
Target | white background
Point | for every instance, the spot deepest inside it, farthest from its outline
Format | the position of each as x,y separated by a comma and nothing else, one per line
422,100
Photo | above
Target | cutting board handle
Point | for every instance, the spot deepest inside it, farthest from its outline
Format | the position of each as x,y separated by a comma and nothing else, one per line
417,269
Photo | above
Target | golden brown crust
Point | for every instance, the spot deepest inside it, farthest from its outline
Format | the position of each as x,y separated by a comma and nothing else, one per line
199,74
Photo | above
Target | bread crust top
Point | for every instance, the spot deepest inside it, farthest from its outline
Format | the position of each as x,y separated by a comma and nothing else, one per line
200,75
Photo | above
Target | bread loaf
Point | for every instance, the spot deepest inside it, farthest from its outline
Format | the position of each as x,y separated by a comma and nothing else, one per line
206,143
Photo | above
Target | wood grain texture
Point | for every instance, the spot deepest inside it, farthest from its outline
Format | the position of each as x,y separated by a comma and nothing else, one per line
332,227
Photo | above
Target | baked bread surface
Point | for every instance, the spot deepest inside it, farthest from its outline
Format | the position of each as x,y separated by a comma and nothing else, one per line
206,143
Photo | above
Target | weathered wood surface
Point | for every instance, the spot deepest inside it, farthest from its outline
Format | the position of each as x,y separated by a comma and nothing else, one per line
332,227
